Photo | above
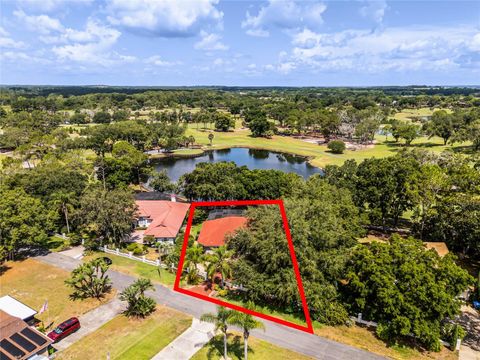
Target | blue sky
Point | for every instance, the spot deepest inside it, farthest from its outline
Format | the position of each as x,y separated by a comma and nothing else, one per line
242,43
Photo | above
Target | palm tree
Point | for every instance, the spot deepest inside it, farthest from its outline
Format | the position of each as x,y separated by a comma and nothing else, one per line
247,322
219,262
142,285
221,320
64,202
194,256
138,304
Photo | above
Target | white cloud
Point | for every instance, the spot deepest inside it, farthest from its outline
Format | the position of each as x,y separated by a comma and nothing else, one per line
397,49
374,9
7,42
42,24
20,56
166,18
157,61
93,46
284,14
3,32
475,43
210,42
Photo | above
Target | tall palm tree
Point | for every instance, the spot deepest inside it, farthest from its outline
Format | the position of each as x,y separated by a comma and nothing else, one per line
219,262
63,200
247,322
194,256
221,320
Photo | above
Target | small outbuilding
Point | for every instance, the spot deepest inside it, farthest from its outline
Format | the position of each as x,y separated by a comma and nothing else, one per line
16,308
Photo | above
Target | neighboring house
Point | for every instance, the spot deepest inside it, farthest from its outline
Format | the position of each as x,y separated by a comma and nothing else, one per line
19,341
160,219
214,232
17,308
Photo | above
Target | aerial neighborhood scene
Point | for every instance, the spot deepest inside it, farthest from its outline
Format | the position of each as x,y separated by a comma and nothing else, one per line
239,179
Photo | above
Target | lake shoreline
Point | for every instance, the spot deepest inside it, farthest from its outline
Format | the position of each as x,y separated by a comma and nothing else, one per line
203,150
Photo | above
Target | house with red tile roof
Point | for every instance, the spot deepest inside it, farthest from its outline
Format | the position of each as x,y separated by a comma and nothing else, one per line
214,232
160,218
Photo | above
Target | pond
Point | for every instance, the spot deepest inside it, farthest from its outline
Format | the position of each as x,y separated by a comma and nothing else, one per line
252,158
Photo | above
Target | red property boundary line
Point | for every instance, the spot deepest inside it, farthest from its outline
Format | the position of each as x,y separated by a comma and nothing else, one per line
176,287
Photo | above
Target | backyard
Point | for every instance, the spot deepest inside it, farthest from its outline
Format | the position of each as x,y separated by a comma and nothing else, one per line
130,338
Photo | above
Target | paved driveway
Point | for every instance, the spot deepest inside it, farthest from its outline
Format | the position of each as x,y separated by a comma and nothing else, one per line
295,340
92,320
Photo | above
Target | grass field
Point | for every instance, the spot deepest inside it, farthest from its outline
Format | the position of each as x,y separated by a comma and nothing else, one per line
178,153
126,338
137,269
409,114
258,350
365,339
32,282
319,154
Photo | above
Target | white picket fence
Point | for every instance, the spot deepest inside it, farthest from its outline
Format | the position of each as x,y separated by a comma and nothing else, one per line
130,255
359,320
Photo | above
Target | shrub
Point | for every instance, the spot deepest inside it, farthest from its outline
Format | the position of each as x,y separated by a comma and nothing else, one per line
222,292
139,305
149,239
336,146
451,333
136,249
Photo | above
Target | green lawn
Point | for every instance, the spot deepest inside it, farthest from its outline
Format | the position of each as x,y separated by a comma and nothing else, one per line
126,338
366,339
33,282
258,350
56,243
409,114
137,269
319,154
178,153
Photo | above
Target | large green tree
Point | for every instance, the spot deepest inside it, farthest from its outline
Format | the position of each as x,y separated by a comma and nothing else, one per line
381,187
324,222
106,216
405,288
24,222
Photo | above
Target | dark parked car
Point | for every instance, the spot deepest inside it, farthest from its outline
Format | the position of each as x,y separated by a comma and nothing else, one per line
64,329
107,260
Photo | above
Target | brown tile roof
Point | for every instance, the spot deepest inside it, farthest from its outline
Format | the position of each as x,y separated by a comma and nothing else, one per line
167,216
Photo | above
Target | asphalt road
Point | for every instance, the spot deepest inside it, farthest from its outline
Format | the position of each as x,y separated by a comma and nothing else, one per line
295,340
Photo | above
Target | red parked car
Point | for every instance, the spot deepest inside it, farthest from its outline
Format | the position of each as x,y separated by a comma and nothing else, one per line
64,329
